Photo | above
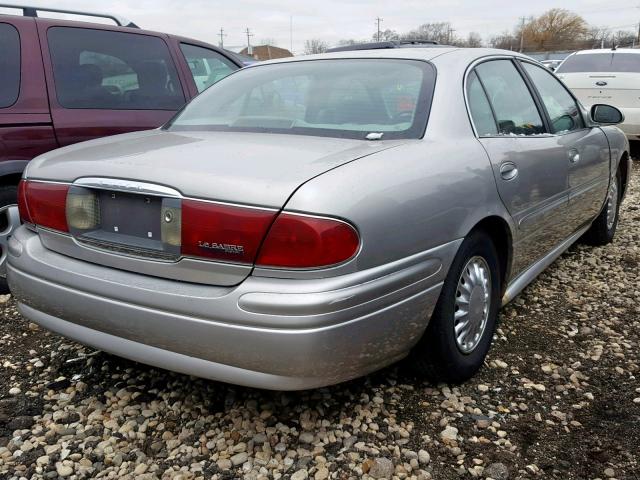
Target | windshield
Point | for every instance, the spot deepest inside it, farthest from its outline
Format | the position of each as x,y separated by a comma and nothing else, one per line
601,62
338,98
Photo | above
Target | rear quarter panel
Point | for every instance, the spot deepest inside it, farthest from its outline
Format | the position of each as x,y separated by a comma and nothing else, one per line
420,195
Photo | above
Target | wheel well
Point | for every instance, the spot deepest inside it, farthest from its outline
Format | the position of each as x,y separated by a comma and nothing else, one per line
498,229
624,172
11,179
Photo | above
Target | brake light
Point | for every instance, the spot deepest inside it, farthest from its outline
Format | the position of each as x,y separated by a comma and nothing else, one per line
223,232
301,241
43,204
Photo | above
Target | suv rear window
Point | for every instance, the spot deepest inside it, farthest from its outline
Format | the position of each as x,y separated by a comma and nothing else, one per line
334,98
113,70
601,62
9,65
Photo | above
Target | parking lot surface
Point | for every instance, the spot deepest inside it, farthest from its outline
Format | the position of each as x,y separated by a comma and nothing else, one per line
559,397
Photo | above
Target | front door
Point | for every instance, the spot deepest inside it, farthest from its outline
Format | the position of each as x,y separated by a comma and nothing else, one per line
587,148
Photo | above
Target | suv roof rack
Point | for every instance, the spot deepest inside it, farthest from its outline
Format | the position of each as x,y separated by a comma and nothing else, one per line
386,44
29,11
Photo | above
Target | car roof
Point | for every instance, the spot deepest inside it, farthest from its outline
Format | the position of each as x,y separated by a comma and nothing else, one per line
417,53
608,51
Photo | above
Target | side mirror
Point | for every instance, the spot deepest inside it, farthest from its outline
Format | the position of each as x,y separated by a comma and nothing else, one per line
606,114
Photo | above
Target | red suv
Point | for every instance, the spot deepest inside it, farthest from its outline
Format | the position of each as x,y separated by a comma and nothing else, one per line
63,82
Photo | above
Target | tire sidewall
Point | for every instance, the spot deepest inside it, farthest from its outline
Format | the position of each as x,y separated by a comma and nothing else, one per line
612,231
458,365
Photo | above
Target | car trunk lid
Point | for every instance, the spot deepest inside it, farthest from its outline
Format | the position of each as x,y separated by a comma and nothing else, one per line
619,89
136,185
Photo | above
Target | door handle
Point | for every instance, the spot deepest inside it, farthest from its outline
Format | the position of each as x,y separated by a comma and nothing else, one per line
508,171
574,155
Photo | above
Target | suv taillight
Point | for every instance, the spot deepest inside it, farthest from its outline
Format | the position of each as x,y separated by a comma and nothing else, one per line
43,204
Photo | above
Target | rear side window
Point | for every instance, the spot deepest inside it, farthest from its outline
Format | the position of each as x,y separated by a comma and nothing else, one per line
9,65
601,62
515,109
561,107
207,66
479,106
101,69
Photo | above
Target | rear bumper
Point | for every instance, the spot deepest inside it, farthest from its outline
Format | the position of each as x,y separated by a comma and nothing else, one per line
285,334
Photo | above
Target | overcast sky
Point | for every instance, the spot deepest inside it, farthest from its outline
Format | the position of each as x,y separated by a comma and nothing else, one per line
332,20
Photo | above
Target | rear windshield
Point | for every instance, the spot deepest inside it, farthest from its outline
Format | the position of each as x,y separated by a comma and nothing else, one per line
601,62
337,98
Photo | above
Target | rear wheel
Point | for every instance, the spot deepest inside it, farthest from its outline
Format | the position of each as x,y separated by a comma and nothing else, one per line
603,228
461,328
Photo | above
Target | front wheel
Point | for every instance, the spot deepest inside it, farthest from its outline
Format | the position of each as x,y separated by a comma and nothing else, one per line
461,328
8,196
603,228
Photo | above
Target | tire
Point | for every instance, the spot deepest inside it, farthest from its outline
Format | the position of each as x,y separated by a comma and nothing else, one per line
8,196
439,356
603,228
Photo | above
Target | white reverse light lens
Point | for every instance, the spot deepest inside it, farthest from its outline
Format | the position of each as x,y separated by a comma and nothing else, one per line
171,226
83,210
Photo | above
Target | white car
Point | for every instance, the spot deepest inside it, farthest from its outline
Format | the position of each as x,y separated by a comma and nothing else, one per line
610,76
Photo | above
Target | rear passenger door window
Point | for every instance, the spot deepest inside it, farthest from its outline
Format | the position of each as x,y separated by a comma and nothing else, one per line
101,69
206,66
481,112
561,107
9,65
515,110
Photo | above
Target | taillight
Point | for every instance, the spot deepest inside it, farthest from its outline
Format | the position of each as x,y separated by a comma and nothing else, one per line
23,210
223,232
301,241
43,204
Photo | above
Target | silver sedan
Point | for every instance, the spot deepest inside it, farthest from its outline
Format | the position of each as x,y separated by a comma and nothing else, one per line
307,221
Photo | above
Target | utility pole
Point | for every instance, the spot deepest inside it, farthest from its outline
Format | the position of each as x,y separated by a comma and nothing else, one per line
639,33
378,21
291,33
450,34
522,20
249,35
222,35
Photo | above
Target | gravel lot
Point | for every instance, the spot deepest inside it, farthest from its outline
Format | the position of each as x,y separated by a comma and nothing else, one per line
558,398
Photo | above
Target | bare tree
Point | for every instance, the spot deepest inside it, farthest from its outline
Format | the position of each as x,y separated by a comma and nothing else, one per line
556,29
315,45
473,40
386,35
440,32
505,41
347,42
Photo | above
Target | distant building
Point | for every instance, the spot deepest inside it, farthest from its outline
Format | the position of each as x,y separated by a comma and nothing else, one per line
266,52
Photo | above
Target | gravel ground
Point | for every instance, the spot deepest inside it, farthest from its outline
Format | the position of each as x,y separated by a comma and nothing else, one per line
559,397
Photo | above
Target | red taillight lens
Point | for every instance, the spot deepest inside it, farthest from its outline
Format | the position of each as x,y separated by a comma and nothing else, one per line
223,232
300,241
22,202
43,204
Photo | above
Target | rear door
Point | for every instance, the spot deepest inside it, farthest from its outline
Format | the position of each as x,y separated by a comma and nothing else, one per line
25,124
529,164
586,147
105,81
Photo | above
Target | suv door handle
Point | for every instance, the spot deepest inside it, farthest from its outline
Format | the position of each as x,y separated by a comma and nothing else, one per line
508,171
